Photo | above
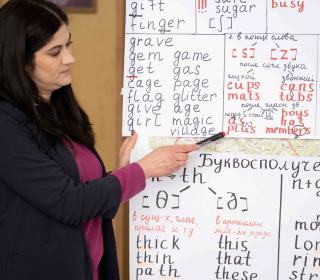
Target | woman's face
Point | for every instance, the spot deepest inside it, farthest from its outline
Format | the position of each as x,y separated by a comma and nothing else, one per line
52,64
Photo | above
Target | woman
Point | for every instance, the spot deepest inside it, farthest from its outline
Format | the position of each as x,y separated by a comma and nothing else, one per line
56,199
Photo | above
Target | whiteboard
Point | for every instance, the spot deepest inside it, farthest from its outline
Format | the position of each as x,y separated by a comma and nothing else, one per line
249,68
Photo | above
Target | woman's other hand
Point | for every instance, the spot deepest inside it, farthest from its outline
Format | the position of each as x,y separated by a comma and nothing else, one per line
166,159
125,150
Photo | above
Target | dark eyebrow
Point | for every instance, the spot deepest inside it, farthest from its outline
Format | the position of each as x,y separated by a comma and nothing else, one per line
59,46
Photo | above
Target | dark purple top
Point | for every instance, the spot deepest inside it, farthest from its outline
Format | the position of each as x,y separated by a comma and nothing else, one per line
132,181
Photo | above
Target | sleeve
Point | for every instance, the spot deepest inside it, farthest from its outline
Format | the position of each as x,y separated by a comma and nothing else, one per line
132,180
42,182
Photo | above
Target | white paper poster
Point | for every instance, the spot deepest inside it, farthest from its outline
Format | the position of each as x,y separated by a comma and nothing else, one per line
196,67
227,216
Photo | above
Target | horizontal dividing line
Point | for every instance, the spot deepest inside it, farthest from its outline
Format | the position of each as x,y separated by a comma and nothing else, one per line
166,34
221,34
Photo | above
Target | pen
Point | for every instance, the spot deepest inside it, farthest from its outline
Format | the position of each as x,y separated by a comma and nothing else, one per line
211,139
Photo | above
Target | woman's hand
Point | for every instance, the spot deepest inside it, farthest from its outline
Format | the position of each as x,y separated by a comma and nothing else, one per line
125,150
166,159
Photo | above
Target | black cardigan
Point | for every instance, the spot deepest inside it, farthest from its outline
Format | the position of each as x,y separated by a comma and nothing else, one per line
43,207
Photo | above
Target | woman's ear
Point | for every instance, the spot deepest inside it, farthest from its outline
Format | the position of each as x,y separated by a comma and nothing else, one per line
28,69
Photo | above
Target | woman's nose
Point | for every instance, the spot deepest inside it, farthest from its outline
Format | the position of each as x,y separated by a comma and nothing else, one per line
68,58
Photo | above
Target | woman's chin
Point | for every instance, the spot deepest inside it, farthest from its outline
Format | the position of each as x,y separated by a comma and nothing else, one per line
65,82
